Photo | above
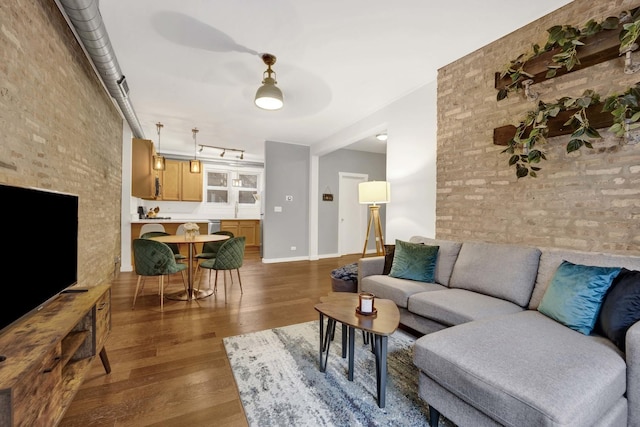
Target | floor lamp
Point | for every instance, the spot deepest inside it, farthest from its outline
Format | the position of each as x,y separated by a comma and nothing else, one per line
374,193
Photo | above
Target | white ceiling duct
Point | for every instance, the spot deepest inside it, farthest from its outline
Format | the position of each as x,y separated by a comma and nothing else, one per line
86,21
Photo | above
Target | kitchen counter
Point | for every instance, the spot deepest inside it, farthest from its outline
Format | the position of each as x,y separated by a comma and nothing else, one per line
167,221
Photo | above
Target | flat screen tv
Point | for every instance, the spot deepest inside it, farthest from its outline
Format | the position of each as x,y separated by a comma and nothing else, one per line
40,249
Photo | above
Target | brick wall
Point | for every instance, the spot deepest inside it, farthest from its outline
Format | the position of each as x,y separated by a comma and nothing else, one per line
60,130
588,200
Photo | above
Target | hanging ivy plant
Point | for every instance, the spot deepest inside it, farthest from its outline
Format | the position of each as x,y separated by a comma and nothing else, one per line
625,109
630,31
533,130
565,37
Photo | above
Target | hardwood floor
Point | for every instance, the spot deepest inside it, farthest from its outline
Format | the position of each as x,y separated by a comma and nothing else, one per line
170,368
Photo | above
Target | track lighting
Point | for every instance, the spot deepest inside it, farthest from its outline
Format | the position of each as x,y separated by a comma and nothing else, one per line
158,160
224,150
269,96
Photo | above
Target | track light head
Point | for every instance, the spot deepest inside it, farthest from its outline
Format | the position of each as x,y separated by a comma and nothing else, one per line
222,154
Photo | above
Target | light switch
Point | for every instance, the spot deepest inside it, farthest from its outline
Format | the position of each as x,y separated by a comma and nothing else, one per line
277,208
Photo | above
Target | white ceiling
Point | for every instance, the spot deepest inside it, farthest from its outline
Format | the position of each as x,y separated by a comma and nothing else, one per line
195,63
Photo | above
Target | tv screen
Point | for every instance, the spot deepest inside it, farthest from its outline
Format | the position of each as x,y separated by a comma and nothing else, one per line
40,244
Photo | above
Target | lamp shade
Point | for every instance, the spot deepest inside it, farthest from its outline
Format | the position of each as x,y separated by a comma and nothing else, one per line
269,96
374,192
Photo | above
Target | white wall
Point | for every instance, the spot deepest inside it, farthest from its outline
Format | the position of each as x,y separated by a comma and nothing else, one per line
411,123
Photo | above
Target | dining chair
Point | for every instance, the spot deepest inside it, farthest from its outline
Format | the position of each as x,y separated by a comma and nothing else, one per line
180,230
228,258
151,227
210,249
174,246
154,258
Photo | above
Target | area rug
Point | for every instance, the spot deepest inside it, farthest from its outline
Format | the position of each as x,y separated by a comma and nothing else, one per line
280,385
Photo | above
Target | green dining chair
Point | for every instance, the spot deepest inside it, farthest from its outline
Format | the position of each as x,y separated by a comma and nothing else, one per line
228,258
154,258
174,246
210,249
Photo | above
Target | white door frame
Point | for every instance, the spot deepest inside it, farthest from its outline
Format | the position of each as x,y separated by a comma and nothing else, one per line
346,206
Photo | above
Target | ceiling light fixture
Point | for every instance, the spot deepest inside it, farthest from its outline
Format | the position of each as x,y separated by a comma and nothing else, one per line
224,150
382,136
269,96
158,160
194,165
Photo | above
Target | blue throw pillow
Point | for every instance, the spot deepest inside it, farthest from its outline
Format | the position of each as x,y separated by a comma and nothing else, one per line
575,295
414,261
621,307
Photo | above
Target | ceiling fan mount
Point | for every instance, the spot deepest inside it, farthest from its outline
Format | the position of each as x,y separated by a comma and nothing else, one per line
268,59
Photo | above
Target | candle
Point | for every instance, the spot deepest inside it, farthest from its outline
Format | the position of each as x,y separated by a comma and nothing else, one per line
366,302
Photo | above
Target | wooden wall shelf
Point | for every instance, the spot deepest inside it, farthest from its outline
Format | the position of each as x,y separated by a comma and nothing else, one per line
597,118
600,47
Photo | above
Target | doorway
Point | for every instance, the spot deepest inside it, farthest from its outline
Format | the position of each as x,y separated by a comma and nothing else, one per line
352,216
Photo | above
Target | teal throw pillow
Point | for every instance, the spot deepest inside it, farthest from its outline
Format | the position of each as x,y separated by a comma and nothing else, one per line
414,261
575,295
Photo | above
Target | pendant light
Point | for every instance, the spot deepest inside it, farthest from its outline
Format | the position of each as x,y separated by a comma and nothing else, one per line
194,165
158,160
269,96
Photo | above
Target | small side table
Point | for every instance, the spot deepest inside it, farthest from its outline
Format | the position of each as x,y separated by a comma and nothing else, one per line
341,307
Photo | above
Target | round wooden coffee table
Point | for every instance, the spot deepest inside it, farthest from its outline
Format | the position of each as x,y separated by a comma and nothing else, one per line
341,307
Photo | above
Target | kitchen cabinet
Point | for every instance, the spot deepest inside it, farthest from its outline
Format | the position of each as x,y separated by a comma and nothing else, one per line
171,180
174,183
249,228
179,184
143,177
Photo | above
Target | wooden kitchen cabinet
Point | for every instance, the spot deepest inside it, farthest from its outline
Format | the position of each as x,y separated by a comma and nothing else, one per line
179,184
191,184
171,180
249,228
143,177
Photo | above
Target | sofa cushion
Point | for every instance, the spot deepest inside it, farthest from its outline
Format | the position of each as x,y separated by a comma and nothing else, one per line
447,255
397,290
414,261
551,258
621,307
575,295
498,270
454,306
525,369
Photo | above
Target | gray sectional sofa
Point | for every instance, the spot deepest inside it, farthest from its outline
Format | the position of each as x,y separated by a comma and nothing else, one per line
489,357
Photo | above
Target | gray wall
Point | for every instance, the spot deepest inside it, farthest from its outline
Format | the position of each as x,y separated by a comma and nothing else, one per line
286,174
330,166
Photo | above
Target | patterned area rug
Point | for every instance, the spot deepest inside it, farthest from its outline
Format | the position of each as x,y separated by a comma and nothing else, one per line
280,384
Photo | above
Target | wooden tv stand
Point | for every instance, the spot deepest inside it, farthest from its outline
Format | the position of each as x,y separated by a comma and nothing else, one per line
46,356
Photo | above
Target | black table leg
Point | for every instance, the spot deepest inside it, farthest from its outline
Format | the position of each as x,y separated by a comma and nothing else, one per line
344,340
352,334
381,368
325,342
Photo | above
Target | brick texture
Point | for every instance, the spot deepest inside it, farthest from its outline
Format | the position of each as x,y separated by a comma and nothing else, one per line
60,130
588,200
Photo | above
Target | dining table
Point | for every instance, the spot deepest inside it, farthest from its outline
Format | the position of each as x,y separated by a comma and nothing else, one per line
190,240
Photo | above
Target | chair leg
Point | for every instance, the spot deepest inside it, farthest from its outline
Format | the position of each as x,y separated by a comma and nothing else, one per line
136,294
239,279
184,281
161,292
215,283
224,276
